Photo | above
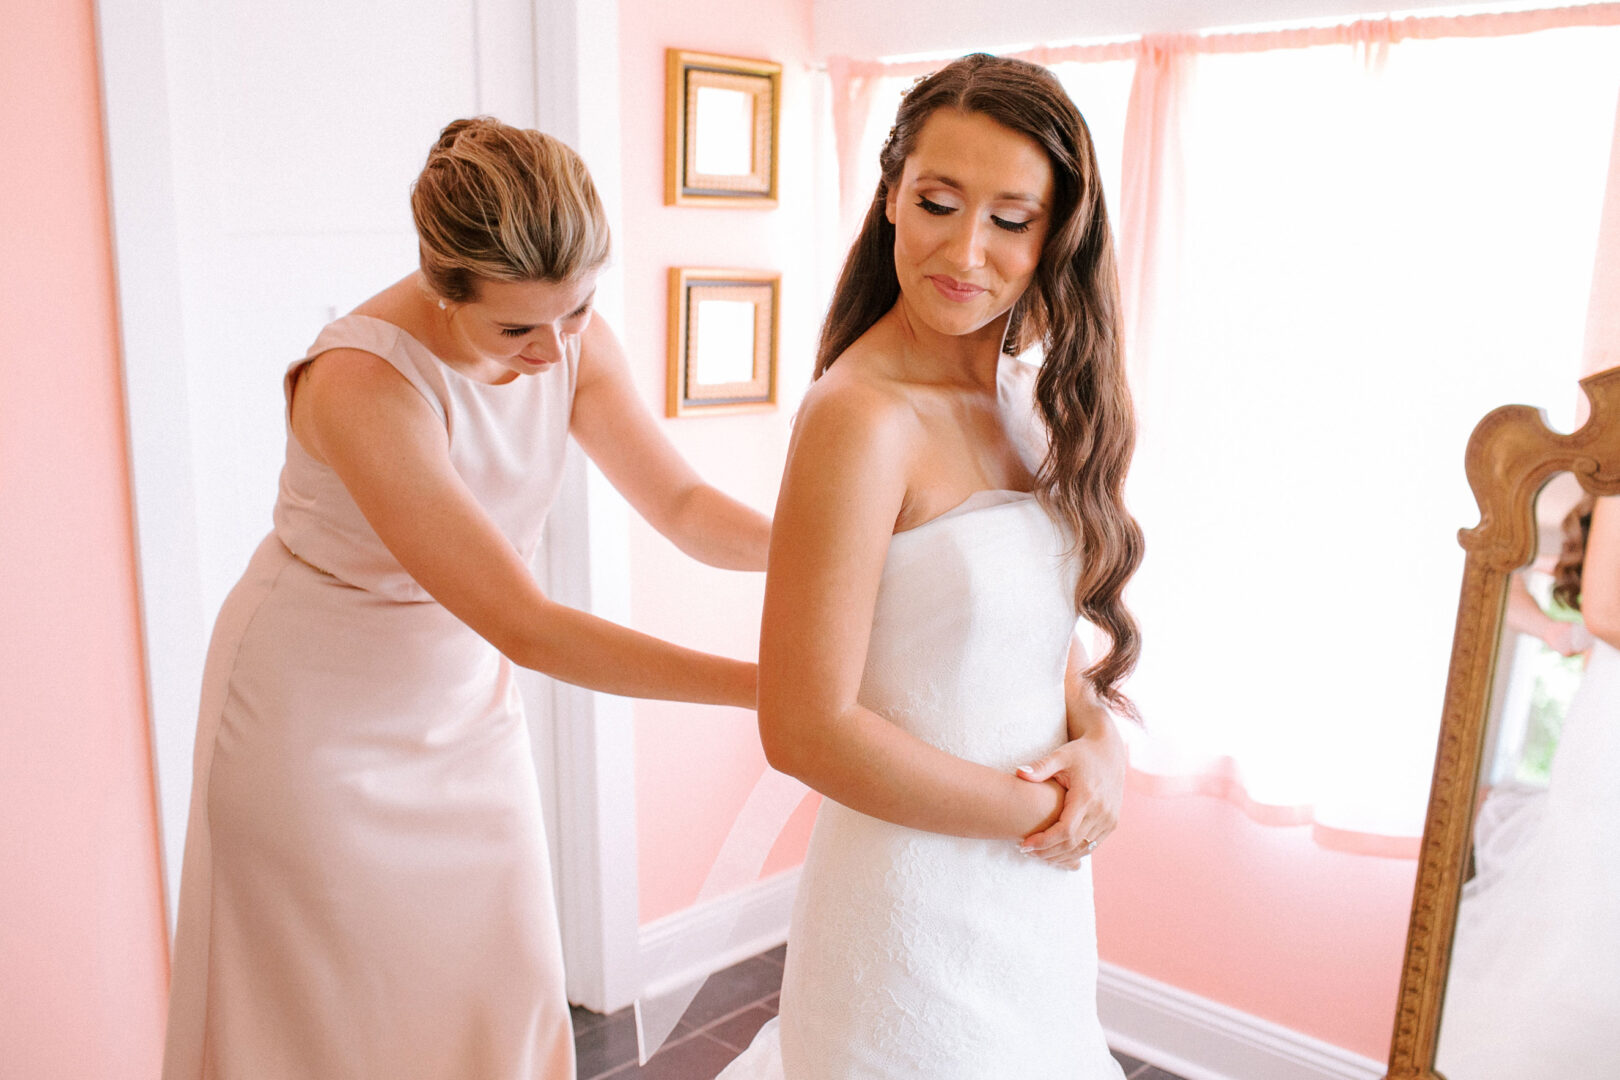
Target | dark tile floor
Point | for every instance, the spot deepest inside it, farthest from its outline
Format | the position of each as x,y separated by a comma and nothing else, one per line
720,1022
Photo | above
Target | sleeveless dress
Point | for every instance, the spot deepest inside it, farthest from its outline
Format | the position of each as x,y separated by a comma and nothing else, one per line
914,954
366,891
1534,986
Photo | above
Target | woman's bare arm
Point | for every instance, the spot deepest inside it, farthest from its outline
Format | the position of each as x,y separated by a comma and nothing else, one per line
357,414
1525,616
1091,767
615,427
842,493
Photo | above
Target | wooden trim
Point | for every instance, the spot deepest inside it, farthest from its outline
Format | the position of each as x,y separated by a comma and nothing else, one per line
755,395
673,374
1511,456
682,186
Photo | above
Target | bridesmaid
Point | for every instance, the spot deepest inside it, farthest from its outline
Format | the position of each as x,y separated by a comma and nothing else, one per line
366,888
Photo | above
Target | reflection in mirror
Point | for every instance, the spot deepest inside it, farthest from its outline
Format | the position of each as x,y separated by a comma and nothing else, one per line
1534,984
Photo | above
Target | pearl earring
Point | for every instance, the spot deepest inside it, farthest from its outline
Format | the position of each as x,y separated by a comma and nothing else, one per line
441,304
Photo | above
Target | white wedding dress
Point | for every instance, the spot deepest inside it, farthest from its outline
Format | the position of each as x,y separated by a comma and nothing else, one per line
916,955
1534,987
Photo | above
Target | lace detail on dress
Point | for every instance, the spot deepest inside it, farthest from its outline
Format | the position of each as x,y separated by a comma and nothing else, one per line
914,954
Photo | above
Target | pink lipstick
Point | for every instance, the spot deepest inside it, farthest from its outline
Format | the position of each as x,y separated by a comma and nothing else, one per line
952,289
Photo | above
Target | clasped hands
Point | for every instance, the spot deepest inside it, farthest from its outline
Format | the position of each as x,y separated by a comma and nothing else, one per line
1091,770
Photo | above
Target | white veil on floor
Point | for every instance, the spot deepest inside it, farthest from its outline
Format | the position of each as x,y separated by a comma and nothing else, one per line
679,969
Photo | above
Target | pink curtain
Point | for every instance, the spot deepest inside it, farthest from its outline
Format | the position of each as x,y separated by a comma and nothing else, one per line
1147,206
1150,194
853,88
1602,343
1149,215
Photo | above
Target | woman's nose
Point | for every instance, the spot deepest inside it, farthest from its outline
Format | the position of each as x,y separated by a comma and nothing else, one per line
966,245
546,345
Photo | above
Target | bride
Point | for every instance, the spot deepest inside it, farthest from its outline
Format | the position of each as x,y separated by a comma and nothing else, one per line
947,512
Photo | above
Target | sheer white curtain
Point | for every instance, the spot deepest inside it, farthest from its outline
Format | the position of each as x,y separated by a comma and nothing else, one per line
1375,247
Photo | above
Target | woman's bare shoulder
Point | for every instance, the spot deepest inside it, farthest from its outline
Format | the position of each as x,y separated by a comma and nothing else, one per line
346,370
849,466
864,378
346,390
856,404
858,415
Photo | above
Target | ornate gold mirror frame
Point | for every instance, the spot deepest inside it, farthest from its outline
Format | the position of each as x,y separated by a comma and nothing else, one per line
1511,455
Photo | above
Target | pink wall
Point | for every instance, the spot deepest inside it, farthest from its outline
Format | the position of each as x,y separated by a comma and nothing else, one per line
83,964
695,766
1193,893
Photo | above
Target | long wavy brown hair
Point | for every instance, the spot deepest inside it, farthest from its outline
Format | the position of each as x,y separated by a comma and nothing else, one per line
1071,309
1572,556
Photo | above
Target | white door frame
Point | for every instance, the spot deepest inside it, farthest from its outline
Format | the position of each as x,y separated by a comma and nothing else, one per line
576,66
562,45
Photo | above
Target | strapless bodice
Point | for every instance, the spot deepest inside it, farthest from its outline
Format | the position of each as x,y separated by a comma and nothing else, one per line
971,630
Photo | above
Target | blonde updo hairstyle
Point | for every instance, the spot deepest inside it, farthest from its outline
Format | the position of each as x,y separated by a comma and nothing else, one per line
506,204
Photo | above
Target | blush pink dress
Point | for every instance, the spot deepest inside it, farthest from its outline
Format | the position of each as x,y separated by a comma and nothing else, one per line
366,891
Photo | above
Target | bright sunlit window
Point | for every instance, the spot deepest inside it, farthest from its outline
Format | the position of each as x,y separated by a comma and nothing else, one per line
1373,253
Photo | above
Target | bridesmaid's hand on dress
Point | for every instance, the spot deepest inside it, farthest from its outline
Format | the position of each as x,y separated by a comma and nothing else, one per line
1092,772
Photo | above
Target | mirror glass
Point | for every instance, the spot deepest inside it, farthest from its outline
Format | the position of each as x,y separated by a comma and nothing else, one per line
1534,983
726,331
725,131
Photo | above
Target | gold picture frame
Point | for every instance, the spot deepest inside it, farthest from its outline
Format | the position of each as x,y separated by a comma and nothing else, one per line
721,121
724,328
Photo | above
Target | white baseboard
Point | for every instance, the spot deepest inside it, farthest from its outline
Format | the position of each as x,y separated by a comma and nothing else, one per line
1201,1039
1163,1025
742,924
